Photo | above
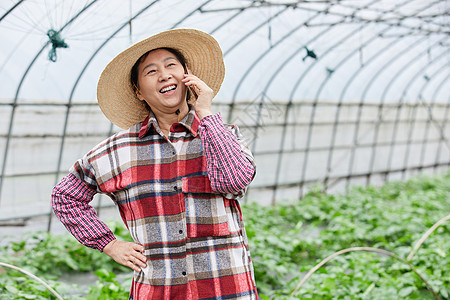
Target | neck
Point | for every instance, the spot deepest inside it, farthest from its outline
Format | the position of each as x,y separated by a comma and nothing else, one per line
167,118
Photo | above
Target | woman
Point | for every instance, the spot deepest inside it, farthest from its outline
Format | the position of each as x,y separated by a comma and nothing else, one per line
175,173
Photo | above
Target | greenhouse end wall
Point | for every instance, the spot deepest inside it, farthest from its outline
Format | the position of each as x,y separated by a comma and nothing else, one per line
296,145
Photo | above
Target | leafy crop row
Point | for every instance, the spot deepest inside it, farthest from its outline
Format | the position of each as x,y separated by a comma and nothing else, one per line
286,241
50,256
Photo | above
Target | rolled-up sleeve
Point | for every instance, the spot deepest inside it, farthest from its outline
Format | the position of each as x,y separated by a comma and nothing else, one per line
230,164
70,202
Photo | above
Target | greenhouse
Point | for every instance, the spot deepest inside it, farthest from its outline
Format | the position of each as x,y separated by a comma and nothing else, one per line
344,104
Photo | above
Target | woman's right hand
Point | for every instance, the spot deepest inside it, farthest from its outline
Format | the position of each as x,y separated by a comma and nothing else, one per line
126,253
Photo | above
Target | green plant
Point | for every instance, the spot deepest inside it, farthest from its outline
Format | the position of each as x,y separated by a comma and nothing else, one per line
16,285
108,287
286,241
51,255
48,256
289,239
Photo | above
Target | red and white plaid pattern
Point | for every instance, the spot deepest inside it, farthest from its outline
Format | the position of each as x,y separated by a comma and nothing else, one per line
178,197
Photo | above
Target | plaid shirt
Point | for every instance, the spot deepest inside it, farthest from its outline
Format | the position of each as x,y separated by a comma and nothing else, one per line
178,198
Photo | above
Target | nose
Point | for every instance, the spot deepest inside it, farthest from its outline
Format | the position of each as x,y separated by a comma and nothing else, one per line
164,76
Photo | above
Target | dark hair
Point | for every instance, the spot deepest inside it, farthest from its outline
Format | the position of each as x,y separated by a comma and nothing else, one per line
134,69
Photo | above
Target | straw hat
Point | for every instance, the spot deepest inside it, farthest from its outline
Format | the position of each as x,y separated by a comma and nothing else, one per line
115,93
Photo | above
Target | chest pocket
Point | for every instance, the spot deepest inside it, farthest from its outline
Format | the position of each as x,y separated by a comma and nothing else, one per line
206,212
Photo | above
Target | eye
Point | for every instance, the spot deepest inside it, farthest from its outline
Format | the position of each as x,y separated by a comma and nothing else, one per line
151,72
170,64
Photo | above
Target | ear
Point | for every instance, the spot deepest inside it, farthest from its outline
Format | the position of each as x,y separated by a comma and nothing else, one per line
138,93
139,96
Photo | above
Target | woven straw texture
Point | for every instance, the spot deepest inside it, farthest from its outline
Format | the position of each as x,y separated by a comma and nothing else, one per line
115,94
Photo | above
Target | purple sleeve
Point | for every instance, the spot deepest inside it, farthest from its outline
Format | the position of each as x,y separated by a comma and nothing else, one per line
230,162
70,202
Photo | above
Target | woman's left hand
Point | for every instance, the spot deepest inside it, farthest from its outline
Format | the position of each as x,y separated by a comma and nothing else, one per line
203,92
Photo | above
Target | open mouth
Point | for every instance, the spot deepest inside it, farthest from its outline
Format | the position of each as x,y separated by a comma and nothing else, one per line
168,88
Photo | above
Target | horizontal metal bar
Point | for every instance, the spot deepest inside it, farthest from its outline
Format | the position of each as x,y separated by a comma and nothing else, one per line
344,147
48,104
346,177
262,153
283,186
55,136
241,126
394,104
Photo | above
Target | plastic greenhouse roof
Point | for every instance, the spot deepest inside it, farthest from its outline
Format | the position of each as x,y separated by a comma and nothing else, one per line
311,54
377,51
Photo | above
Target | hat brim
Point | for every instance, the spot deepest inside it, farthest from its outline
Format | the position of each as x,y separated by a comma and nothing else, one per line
115,94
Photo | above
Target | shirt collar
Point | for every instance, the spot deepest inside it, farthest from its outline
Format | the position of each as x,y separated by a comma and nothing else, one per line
191,121
148,123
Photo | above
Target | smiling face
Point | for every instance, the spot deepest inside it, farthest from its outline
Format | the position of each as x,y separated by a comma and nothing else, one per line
159,78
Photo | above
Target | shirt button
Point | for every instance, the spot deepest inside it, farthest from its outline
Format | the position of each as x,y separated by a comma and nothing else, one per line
184,273
180,232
